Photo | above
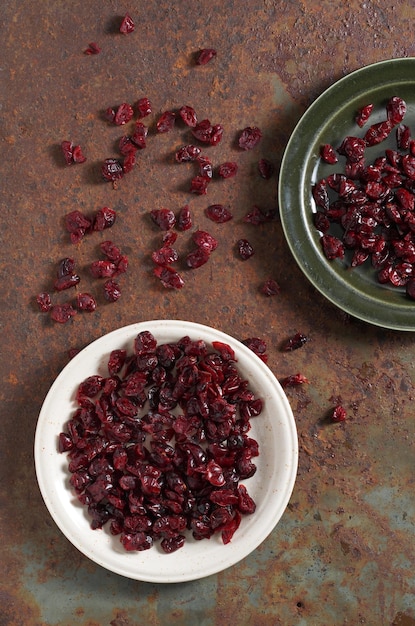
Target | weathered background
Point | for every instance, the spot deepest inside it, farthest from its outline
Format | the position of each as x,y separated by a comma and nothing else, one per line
343,552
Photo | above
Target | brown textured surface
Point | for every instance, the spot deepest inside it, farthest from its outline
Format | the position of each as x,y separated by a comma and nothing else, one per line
343,552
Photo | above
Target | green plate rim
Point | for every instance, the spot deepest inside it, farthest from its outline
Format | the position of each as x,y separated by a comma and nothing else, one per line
346,288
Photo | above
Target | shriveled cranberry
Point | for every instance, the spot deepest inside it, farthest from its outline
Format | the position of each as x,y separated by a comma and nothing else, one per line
166,121
66,266
144,107
169,277
256,216
328,154
293,380
104,218
333,248
77,224
71,153
294,342
62,313
103,269
249,137
112,170
112,291
165,256
353,148
395,110
199,185
163,218
205,55
123,114
85,302
228,169
338,414
265,168
258,346
188,115
44,302
93,48
205,132
245,249
127,25
363,114
218,213
204,240
197,257
205,166
66,282
403,136
378,133
270,287
139,136
184,218
187,153
111,251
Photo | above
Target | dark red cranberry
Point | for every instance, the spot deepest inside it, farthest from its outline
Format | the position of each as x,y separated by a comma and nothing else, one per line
204,240
184,218
103,269
86,302
338,414
44,302
328,154
129,162
205,166
125,145
169,277
378,133
294,380
111,251
112,170
245,249
71,153
270,287
199,185
395,110
123,114
187,153
66,282
363,114
294,342
218,213
205,55
77,224
112,291
258,346
249,138
66,266
104,218
228,169
197,258
62,313
144,107
166,122
93,48
163,218
333,248
188,115
165,256
127,25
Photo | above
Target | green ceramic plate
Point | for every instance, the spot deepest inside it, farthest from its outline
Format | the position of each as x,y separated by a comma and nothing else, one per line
328,120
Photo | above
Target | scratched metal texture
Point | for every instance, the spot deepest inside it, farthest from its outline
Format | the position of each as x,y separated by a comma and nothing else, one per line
343,552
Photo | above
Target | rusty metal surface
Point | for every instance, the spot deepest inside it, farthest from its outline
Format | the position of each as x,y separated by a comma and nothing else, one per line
343,552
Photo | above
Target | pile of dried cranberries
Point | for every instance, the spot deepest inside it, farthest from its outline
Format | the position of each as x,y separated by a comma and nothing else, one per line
159,446
372,206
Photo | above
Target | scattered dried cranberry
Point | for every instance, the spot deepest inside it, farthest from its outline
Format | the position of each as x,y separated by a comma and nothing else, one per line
328,154
184,218
72,153
255,216
93,48
104,218
333,248
163,218
294,342
123,114
338,414
187,153
166,122
66,266
265,169
86,302
270,287
169,277
112,291
127,25
66,282
228,169
206,133
204,240
197,257
218,213
139,136
199,185
103,269
111,251
44,302
378,133
112,170
188,115
205,166
249,138
245,249
77,224
293,380
363,114
144,107
62,313
165,255
205,55
395,110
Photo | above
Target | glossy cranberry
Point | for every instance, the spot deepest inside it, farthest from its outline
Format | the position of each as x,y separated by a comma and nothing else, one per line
338,414
199,185
111,251
363,114
197,258
328,154
333,248
187,153
228,169
204,240
294,380
112,291
72,153
104,218
165,256
270,287
163,218
144,107
44,302
62,313
92,48
395,110
127,25
245,249
85,302
205,166
184,218
249,137
77,224
188,115
123,114
205,55
265,168
112,170
218,213
294,342
169,277
66,282
378,133
166,122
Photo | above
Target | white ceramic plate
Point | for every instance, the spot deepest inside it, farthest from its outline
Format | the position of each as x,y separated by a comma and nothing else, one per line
270,487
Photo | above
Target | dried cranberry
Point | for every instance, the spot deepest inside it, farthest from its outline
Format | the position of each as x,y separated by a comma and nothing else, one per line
77,224
249,138
123,114
112,291
265,168
293,380
66,266
395,110
104,218
245,249
85,302
71,153
144,107
218,213
163,218
199,185
328,154
205,132
66,282
103,269
139,136
294,342
169,277
44,302
184,218
93,48
378,133
127,25
166,122
188,115
332,247
62,313
205,55
353,148
187,153
111,251
197,258
228,169
258,346
205,166
363,114
338,414
204,240
165,256
112,170
270,287
403,136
